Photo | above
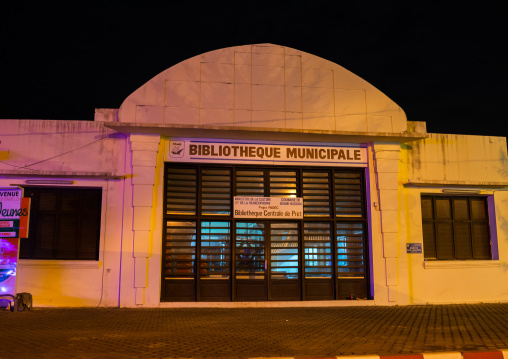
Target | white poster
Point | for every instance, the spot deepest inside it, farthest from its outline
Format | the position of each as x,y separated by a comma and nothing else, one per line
268,207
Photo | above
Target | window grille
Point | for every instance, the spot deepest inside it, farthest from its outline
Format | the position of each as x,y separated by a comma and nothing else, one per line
215,254
250,183
181,191
316,194
215,192
350,250
317,242
348,194
283,184
180,250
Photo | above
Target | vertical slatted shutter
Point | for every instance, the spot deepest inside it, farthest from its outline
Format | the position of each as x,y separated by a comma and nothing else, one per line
282,183
215,241
350,241
181,191
284,250
348,194
250,250
215,192
180,250
250,183
317,198
317,243
199,245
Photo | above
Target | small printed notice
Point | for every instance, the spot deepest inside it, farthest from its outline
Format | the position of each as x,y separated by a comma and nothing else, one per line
413,247
6,224
8,234
268,207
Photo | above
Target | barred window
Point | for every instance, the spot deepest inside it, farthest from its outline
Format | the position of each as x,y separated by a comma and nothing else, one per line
455,227
65,223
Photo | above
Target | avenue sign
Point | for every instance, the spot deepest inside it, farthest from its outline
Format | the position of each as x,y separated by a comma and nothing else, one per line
14,213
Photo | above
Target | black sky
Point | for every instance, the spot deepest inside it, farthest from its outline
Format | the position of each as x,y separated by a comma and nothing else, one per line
441,64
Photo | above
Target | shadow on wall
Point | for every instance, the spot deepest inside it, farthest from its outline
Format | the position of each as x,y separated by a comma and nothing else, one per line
503,158
48,288
502,225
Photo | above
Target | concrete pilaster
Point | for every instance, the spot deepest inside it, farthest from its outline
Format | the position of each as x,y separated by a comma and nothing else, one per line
386,158
144,149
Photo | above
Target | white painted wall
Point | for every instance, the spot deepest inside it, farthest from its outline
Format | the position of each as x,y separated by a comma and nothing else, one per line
83,152
455,161
263,85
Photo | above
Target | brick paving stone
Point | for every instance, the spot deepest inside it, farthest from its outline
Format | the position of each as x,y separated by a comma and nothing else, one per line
251,332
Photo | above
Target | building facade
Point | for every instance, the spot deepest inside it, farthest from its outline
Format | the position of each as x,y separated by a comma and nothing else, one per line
257,175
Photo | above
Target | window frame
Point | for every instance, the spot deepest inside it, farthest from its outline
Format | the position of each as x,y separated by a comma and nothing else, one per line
435,249
88,218
342,284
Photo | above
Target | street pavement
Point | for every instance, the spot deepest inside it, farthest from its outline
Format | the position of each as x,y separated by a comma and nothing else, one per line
316,332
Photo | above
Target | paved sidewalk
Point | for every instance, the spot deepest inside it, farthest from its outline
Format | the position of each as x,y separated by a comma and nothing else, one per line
252,332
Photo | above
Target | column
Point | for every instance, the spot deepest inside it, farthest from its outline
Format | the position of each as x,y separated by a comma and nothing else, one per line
144,149
386,157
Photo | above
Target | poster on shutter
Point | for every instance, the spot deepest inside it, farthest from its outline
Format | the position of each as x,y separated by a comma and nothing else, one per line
8,265
268,207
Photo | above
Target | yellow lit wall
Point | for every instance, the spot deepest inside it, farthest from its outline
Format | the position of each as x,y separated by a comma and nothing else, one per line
455,162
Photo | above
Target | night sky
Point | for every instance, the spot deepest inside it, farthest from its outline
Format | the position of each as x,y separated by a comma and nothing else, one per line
441,64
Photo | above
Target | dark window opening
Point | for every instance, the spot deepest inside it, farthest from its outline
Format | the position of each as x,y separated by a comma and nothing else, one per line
65,224
455,228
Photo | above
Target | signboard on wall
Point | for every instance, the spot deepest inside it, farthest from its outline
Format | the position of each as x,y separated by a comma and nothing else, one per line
268,207
10,211
8,263
199,150
10,215
413,247
24,220
14,220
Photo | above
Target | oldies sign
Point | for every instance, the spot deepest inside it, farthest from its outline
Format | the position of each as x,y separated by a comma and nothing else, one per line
268,207
222,152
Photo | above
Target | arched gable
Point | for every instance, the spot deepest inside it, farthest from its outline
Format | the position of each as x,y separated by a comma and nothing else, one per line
263,86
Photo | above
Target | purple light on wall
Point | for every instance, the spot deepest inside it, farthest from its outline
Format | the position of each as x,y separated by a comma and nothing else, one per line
369,230
493,227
